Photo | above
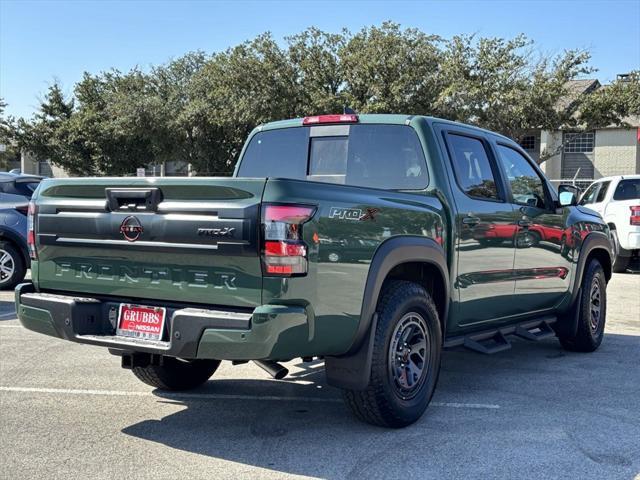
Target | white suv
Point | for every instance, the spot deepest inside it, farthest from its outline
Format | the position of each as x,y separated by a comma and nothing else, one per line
617,200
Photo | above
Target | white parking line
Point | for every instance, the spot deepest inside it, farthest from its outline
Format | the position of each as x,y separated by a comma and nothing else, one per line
487,406
213,396
10,326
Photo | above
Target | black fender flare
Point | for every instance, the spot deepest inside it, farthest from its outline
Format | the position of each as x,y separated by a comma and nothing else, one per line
568,320
352,370
593,241
18,241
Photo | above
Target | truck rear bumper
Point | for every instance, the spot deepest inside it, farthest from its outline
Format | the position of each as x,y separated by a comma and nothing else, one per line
189,332
632,241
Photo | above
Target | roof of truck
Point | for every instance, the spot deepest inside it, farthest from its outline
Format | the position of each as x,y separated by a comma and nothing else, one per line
381,118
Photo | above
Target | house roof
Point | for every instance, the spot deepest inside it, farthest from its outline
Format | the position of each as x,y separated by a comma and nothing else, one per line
576,88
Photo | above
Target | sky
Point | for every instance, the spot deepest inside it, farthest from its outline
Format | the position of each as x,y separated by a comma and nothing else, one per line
41,41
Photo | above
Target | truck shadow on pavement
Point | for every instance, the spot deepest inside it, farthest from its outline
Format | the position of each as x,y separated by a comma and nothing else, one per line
557,400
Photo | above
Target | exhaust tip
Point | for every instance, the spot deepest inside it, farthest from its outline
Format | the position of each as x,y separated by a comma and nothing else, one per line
274,369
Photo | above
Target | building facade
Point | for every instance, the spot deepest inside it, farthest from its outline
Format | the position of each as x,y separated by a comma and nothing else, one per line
586,156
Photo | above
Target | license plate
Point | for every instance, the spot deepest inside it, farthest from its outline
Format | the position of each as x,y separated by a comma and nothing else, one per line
139,321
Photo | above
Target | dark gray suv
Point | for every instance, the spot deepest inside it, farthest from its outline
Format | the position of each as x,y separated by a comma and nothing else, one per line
15,193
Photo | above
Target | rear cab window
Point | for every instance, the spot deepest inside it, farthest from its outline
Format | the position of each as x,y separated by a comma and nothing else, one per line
627,189
365,155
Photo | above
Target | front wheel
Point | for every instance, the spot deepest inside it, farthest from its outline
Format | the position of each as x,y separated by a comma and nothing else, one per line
592,313
177,374
406,358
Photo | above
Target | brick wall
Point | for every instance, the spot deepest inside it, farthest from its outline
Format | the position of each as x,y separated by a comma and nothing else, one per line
616,152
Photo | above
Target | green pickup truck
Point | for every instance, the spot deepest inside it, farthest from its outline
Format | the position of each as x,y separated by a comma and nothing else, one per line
371,241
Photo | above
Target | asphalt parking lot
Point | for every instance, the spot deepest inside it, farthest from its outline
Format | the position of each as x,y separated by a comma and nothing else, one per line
535,411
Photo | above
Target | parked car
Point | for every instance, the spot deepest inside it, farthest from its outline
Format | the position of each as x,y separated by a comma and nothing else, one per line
617,200
17,188
14,256
176,274
15,193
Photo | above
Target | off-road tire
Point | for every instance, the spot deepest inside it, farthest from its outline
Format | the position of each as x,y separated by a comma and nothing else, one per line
588,338
176,374
19,267
620,261
380,403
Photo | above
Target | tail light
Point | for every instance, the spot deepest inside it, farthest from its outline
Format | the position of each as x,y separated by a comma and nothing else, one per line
635,215
23,209
284,254
339,118
31,230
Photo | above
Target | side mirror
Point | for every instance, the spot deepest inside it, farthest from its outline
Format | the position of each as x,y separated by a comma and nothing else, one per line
568,195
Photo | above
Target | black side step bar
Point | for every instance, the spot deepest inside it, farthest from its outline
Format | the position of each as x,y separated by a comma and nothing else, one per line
535,332
495,340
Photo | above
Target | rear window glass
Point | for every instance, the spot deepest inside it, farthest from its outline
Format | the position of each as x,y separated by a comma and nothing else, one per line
628,189
276,153
19,188
376,156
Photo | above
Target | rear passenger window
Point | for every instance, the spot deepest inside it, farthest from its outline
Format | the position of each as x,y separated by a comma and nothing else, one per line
472,167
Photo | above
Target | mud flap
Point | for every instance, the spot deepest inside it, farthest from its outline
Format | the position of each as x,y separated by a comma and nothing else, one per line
352,372
567,324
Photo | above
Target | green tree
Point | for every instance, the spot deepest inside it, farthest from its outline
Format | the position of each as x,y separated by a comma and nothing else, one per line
9,150
501,85
315,58
387,69
46,134
199,108
612,104
236,90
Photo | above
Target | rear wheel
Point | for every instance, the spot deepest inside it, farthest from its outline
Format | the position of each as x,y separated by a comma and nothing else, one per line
12,267
406,358
177,374
592,312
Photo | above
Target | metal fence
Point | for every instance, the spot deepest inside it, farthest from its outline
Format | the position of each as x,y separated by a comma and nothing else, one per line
581,183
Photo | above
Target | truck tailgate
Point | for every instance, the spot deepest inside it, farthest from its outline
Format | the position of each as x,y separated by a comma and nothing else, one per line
186,240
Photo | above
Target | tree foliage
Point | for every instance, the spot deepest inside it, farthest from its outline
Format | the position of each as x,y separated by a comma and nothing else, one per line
9,150
198,109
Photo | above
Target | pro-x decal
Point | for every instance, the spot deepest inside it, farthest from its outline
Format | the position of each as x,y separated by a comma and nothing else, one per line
353,213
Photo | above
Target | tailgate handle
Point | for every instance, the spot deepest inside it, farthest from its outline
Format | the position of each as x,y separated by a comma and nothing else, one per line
133,199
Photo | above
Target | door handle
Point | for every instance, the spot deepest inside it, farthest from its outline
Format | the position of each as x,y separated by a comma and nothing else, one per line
471,221
525,222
